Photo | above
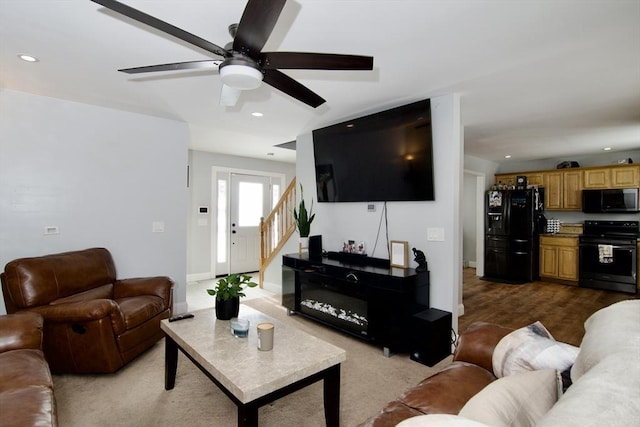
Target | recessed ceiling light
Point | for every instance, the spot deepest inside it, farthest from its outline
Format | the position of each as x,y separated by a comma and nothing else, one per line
257,114
606,149
28,58
508,156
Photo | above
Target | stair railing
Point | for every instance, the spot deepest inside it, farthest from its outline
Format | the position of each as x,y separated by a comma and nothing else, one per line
276,228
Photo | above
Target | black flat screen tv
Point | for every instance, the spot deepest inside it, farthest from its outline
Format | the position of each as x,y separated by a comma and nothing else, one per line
386,156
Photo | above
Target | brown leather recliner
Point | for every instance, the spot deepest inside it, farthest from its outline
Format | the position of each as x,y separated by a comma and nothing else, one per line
26,387
93,323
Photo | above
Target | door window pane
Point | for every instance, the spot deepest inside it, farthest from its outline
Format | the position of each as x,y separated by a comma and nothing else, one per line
275,231
275,195
250,204
221,244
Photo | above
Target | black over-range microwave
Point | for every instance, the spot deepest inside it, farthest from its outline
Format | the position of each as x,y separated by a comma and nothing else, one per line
610,200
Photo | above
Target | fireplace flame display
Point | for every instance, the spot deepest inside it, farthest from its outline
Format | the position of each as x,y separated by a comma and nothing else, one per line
339,313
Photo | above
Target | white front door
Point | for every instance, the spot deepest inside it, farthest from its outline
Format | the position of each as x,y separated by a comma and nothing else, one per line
250,200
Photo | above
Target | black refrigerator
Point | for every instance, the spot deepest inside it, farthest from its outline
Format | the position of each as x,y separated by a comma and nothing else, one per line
513,221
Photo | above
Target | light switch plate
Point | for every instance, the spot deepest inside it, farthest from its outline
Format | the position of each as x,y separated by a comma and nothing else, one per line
435,234
158,226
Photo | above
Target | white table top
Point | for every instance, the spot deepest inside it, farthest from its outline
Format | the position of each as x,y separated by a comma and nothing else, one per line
236,363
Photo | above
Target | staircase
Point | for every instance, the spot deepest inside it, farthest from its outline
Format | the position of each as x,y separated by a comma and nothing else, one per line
276,228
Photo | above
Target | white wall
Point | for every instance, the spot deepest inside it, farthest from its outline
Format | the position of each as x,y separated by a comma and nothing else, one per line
408,221
469,207
199,236
478,177
102,176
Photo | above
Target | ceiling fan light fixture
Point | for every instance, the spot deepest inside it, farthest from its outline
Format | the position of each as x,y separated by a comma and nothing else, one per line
240,76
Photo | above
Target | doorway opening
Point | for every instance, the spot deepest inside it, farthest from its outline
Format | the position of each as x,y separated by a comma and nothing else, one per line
240,199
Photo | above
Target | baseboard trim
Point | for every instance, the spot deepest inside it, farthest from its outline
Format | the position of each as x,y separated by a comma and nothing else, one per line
199,276
460,310
272,287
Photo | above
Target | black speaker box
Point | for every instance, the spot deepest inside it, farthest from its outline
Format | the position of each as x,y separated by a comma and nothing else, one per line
315,247
431,336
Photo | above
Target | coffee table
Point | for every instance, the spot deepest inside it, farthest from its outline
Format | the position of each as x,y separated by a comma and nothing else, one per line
249,377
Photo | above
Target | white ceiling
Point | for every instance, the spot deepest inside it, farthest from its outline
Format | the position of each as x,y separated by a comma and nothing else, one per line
538,79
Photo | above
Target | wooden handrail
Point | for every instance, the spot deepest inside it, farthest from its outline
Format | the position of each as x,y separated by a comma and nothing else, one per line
276,228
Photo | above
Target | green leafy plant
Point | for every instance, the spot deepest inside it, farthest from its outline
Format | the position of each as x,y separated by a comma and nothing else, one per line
231,286
302,218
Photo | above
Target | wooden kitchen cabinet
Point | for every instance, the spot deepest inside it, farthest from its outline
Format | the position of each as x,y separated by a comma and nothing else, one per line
559,258
597,178
572,190
563,190
563,187
507,179
627,176
533,178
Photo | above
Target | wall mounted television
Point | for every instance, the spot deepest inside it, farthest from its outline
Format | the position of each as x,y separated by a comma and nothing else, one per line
386,156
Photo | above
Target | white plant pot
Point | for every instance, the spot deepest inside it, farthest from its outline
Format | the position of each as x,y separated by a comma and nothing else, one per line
303,244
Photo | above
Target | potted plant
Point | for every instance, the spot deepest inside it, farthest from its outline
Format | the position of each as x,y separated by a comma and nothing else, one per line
228,291
303,219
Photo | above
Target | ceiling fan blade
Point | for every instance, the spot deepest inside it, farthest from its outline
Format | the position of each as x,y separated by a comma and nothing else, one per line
162,26
229,96
286,84
191,65
255,26
315,61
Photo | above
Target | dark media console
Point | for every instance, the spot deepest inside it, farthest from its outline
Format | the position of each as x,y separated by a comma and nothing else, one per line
364,297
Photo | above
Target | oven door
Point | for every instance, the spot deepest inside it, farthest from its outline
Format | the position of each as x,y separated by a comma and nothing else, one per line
608,263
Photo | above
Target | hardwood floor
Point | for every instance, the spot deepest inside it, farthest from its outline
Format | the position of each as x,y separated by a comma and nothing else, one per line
562,309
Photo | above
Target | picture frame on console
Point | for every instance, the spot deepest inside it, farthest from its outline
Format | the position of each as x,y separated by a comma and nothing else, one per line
399,253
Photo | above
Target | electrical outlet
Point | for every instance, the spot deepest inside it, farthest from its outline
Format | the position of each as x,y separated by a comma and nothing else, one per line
51,229
371,207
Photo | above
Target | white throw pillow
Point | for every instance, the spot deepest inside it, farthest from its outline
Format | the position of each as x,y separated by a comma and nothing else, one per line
531,348
613,329
607,395
515,401
440,420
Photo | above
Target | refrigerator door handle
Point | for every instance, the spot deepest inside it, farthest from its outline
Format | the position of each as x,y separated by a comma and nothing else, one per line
506,208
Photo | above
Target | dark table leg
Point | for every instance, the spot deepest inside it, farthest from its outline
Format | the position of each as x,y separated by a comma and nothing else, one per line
170,362
332,396
248,415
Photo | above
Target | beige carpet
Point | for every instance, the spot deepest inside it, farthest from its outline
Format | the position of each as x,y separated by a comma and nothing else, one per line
135,395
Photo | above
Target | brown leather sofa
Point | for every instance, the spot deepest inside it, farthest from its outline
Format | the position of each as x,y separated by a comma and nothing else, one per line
542,382
26,389
93,322
447,391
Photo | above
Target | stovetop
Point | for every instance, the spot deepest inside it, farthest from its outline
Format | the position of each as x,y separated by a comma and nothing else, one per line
604,228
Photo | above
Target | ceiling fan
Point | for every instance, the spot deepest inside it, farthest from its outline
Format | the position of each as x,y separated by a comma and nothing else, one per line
244,66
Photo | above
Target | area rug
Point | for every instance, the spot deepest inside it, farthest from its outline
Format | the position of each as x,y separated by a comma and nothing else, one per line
135,395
